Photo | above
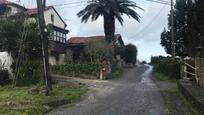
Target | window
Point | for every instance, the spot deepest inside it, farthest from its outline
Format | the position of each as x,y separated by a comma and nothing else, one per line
8,11
59,36
55,38
64,40
52,18
55,33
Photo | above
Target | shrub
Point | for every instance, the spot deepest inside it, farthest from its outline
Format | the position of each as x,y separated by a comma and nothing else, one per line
28,73
130,54
4,77
70,69
166,66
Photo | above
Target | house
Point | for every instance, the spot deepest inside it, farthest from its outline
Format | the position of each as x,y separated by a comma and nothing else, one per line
53,20
8,8
76,45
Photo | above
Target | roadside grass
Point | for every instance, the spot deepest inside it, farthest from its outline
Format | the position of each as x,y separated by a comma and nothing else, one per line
162,77
189,105
176,103
116,73
18,101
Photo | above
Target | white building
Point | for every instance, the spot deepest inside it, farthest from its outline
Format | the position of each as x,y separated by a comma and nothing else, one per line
52,19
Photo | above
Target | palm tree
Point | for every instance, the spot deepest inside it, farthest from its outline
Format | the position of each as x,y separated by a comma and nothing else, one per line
110,10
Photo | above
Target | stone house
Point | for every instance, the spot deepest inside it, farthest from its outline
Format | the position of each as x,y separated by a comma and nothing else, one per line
76,45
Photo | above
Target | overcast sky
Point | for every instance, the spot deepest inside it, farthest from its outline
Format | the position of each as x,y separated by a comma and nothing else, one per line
145,35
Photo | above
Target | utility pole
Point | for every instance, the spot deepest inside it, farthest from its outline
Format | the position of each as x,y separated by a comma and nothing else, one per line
172,23
44,3
172,30
43,36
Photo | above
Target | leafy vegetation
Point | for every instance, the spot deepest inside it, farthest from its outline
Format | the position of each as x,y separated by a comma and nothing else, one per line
19,38
116,72
162,77
98,50
166,66
130,53
173,99
70,69
188,21
4,75
18,100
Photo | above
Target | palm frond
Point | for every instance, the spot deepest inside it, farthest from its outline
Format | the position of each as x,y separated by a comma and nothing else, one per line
110,7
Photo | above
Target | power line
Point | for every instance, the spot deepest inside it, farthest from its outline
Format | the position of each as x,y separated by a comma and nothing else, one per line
138,34
61,8
172,22
161,2
71,3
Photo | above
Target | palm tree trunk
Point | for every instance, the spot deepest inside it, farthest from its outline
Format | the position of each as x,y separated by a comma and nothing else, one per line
109,27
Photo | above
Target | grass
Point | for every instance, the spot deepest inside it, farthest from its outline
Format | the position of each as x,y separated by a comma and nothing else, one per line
116,73
17,101
172,105
190,106
169,106
162,77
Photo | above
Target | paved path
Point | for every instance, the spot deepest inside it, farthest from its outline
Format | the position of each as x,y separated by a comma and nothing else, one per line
135,93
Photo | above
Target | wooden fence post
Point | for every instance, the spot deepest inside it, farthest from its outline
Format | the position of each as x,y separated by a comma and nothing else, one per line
197,69
199,64
202,71
182,69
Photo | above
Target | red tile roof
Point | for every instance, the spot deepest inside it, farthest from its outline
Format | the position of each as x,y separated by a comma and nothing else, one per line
34,11
5,2
85,40
88,40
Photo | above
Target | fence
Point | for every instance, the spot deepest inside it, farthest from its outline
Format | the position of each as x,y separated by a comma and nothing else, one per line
199,65
198,70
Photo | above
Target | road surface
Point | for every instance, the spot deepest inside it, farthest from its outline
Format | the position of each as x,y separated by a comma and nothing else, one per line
135,93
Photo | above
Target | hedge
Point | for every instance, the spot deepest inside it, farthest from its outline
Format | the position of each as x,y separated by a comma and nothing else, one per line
166,66
70,69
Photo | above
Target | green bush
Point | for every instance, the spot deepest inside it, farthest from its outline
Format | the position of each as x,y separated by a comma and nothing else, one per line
4,77
166,66
70,69
130,54
27,73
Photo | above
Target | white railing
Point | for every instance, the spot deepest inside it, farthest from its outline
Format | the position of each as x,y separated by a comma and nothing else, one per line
188,65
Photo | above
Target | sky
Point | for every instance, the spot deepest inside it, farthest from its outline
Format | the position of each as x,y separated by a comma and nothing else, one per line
145,35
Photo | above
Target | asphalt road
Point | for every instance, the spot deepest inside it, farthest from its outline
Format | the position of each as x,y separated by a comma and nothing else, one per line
135,93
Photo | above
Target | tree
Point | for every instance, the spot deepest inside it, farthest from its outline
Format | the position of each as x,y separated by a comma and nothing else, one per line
179,22
130,54
189,28
19,38
99,50
110,10
195,25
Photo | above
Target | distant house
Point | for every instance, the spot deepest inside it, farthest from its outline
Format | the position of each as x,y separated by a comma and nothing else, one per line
58,34
76,45
8,8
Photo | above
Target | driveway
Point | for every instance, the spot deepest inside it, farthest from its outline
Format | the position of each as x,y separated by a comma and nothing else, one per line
135,93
